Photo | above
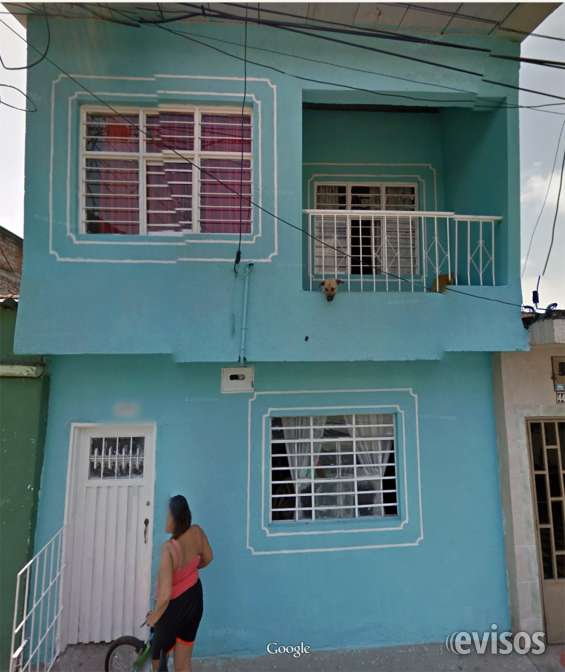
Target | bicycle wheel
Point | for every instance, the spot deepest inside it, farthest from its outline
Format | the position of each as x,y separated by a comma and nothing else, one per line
123,654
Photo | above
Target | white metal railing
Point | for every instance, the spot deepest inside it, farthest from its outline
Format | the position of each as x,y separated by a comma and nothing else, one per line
374,250
37,610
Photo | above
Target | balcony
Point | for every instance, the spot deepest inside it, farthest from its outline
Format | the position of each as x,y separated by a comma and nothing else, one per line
400,251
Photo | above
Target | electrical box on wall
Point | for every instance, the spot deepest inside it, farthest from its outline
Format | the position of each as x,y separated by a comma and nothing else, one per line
238,379
558,369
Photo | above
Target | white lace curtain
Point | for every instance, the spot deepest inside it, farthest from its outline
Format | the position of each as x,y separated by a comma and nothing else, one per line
371,458
299,452
372,465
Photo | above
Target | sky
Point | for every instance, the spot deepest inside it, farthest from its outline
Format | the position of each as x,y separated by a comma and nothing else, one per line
538,139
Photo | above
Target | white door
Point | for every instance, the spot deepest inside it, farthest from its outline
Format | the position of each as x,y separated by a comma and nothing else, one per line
109,532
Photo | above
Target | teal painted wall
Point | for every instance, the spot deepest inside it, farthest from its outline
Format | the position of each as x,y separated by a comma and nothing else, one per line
452,578
150,324
78,292
23,405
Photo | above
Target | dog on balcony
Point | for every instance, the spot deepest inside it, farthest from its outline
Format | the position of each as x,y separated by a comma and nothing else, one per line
329,288
442,282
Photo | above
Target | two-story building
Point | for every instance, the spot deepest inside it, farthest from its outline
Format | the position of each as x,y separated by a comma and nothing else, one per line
340,454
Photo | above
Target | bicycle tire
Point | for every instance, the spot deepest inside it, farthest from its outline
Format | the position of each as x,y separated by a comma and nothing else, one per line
125,641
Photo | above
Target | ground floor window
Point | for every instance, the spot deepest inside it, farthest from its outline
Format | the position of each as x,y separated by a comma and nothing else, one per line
336,466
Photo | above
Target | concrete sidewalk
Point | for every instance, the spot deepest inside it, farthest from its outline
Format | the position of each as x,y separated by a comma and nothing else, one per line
423,658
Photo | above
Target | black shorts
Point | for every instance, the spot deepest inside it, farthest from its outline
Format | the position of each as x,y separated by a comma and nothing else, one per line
180,621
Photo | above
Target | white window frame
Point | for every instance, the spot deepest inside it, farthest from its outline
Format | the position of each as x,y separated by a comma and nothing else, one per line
348,184
354,480
144,157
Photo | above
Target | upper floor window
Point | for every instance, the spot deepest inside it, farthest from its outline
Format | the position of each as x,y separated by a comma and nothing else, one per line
356,224
366,196
336,466
139,175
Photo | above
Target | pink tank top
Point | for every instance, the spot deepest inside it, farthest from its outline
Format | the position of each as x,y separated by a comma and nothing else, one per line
183,577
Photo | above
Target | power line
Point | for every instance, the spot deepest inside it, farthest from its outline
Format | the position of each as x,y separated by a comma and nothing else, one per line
23,93
220,14
309,59
174,15
555,217
478,105
330,63
298,228
274,25
453,68
549,183
96,16
435,9
109,19
373,49
368,32
401,37
171,19
484,298
41,56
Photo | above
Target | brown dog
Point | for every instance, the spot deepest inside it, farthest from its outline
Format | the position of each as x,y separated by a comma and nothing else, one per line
329,287
441,283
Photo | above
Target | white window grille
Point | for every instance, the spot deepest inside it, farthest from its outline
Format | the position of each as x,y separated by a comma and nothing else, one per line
365,244
337,466
134,179
116,457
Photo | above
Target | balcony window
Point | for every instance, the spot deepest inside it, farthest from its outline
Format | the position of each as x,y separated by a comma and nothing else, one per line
139,174
361,244
373,237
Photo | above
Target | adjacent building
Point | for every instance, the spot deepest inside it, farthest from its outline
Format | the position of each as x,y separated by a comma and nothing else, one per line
342,454
23,414
530,406
10,263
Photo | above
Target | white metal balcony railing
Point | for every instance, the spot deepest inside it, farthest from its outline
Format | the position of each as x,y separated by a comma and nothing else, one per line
37,610
399,251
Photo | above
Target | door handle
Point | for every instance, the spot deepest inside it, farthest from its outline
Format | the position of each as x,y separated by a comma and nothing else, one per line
145,527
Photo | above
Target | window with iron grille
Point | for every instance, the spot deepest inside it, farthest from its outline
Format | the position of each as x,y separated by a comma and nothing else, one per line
371,243
337,466
138,178
116,457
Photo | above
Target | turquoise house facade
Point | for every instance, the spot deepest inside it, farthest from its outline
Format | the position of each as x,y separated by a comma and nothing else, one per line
341,455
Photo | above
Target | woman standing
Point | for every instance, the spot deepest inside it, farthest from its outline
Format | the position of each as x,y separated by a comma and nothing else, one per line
179,603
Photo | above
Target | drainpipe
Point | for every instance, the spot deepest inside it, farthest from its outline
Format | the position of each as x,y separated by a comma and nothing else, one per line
242,358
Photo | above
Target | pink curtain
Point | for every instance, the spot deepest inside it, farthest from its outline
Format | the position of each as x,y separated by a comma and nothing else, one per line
170,130
112,185
223,179
169,196
219,205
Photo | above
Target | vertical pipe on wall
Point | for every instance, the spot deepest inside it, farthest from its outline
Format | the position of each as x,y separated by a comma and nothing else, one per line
242,358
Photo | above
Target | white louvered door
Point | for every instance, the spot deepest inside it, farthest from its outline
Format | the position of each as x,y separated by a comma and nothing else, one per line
109,533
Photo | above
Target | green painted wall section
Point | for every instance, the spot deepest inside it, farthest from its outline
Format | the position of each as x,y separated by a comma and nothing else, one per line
23,403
